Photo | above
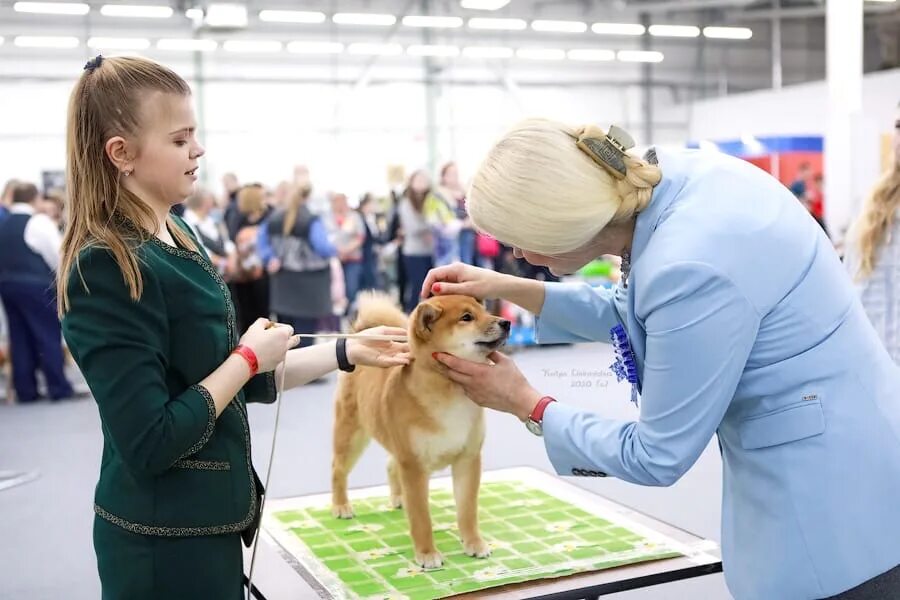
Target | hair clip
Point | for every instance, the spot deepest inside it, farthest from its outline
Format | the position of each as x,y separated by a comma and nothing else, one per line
93,63
606,149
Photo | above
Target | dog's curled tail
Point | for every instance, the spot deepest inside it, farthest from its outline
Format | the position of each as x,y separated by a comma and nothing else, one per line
377,308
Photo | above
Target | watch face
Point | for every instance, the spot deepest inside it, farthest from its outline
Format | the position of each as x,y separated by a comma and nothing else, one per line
534,427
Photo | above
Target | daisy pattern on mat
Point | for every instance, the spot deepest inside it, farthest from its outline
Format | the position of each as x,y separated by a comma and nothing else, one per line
559,527
367,527
498,545
375,553
387,597
490,573
569,546
409,571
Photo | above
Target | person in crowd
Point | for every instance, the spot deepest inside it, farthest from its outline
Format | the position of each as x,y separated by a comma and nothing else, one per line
30,243
296,249
873,253
211,232
418,237
348,231
250,280
452,187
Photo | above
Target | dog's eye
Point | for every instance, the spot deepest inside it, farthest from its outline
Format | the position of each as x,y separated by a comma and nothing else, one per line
467,317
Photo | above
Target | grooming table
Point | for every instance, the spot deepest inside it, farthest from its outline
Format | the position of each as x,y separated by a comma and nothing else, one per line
550,539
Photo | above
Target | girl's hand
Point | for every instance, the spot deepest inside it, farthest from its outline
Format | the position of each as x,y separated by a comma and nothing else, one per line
377,353
270,342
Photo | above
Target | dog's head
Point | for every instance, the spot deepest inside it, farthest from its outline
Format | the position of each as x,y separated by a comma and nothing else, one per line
458,325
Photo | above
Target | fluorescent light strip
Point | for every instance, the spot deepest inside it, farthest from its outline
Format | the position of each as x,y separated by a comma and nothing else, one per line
315,47
226,15
375,49
194,13
498,24
39,41
432,50
52,8
291,16
376,20
540,53
432,22
136,11
187,45
488,52
644,56
591,55
559,26
685,31
483,4
106,43
728,33
252,46
618,28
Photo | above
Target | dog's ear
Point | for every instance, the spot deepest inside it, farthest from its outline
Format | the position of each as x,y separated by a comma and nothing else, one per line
425,317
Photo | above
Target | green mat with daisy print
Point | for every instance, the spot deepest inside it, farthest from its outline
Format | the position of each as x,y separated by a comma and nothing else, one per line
533,534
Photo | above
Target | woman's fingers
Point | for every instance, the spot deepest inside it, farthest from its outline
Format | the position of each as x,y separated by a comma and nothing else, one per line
448,273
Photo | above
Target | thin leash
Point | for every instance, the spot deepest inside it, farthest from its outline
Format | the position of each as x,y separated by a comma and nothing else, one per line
280,388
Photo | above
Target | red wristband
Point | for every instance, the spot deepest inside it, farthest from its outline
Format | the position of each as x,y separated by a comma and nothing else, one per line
537,413
248,355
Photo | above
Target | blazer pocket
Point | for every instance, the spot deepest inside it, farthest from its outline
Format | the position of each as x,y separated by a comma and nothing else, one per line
789,424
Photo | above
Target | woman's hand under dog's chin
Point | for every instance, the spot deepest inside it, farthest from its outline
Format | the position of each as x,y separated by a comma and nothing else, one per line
378,353
498,385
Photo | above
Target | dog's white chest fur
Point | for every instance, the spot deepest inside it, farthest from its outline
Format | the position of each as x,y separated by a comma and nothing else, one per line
457,419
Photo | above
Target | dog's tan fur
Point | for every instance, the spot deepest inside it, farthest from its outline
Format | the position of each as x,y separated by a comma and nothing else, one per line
422,418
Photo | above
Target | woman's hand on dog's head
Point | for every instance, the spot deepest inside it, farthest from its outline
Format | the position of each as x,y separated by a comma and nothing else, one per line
379,353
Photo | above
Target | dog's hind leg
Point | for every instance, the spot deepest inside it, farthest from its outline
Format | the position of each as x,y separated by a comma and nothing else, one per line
349,442
395,483
466,481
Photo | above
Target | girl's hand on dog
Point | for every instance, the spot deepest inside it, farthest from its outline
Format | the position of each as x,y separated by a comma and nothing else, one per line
460,278
377,353
500,386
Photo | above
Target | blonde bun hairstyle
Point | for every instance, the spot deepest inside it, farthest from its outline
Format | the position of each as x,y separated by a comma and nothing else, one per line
539,191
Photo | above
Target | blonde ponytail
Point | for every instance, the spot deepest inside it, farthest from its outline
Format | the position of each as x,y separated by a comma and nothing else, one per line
636,188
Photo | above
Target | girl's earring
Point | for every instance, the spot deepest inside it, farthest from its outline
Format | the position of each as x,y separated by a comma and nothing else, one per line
126,173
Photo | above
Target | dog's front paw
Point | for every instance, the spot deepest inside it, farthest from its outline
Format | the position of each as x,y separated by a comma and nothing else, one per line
429,560
342,511
477,547
396,502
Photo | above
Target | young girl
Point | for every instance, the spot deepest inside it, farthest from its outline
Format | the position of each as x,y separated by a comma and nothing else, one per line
151,325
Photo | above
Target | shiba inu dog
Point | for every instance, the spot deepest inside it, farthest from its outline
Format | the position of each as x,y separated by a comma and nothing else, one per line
422,418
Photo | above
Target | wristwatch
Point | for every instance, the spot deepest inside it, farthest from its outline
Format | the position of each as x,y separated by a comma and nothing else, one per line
534,422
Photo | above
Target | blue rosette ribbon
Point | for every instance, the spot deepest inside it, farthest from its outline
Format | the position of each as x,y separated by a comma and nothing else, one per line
625,366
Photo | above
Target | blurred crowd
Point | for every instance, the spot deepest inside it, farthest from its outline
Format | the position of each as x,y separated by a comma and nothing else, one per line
288,251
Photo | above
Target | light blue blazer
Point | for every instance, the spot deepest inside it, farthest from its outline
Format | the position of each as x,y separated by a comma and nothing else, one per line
745,324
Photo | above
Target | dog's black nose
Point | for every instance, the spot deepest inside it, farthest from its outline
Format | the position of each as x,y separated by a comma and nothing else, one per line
504,324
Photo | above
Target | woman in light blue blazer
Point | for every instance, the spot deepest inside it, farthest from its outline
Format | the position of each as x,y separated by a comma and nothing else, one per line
735,317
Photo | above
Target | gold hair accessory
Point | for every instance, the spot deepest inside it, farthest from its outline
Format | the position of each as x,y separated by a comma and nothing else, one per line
606,149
